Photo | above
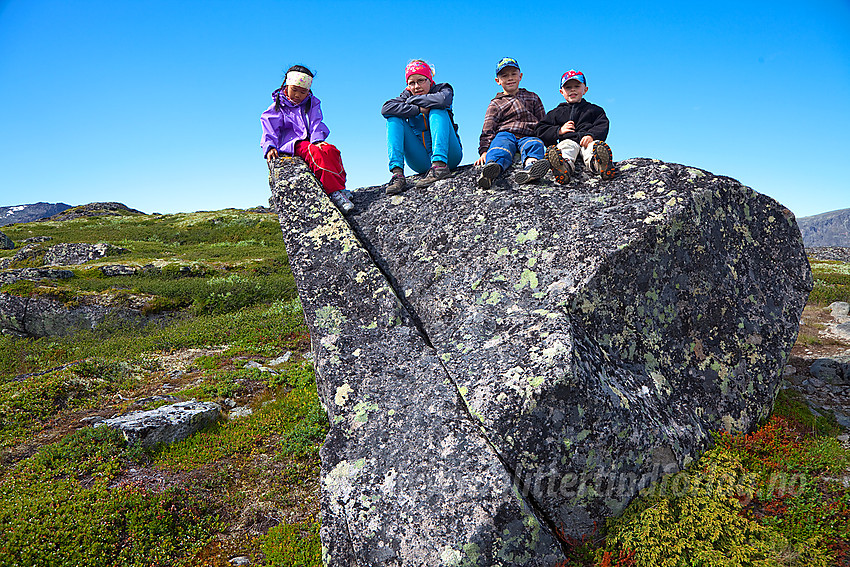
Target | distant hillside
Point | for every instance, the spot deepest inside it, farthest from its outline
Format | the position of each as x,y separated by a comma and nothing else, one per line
826,229
29,213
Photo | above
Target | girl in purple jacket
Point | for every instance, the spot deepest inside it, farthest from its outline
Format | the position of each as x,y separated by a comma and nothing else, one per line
293,125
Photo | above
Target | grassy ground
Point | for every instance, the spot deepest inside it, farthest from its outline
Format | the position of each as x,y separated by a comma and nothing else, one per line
76,495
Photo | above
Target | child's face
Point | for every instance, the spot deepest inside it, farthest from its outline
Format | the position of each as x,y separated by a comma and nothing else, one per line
509,78
418,84
296,94
573,90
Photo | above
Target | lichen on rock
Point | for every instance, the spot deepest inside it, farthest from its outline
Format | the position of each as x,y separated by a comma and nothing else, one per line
590,336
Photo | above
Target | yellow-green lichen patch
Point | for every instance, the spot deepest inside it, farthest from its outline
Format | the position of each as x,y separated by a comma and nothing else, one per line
361,411
503,251
494,298
532,234
330,319
342,393
396,200
333,231
527,278
639,195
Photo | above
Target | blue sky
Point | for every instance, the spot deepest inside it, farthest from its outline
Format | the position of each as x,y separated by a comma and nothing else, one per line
156,104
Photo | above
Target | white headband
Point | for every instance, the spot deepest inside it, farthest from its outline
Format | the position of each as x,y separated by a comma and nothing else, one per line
298,79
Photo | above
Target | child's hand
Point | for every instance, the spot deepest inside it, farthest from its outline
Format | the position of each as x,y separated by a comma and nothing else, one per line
272,154
586,141
424,111
567,127
481,159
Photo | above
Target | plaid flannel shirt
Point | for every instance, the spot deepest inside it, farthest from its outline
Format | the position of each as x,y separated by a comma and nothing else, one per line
518,114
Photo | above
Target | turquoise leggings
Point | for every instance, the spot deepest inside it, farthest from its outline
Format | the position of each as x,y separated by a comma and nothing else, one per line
407,140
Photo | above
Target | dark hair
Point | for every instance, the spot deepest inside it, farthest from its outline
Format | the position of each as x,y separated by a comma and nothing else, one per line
276,94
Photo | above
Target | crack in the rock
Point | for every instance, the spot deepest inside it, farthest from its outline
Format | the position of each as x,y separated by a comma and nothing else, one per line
524,491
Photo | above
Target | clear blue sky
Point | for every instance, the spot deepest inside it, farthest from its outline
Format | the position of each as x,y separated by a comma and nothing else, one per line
156,103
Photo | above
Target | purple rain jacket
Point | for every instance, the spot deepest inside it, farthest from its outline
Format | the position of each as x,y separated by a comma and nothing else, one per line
282,128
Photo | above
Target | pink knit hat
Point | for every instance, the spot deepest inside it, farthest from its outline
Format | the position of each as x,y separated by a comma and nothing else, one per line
418,68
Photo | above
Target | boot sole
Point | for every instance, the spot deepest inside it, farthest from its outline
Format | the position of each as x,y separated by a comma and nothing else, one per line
489,174
604,160
560,169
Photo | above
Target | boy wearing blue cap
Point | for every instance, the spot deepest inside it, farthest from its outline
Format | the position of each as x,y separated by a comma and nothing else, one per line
509,126
576,126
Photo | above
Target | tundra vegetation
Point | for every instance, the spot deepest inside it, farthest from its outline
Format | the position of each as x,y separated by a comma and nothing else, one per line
72,494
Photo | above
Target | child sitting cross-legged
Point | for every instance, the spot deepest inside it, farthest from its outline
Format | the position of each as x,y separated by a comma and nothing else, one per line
573,127
509,126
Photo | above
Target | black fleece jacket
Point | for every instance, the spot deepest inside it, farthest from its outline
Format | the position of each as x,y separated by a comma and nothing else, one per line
407,105
589,119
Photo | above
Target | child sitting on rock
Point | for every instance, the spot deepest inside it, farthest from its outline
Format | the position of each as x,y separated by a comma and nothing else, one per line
421,129
576,126
509,125
293,125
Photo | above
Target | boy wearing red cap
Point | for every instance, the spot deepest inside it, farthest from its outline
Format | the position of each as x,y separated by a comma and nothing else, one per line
577,127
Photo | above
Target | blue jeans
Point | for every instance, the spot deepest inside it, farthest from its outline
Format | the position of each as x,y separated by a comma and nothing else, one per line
407,140
504,146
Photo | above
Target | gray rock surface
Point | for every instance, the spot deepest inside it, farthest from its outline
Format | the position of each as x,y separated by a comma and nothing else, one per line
43,315
118,270
75,253
594,334
6,242
34,274
831,253
30,255
840,311
167,424
407,477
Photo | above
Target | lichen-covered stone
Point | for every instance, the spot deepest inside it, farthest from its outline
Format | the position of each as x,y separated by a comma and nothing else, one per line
407,476
594,333
75,253
166,424
49,312
598,332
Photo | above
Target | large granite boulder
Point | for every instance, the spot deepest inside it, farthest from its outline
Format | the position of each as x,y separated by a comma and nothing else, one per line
407,476
594,334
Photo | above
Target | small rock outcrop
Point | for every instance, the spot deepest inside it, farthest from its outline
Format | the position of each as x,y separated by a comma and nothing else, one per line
34,274
6,242
95,210
76,253
167,424
582,340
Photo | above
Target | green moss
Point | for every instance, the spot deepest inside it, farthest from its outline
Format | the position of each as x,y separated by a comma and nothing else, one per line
293,545
791,404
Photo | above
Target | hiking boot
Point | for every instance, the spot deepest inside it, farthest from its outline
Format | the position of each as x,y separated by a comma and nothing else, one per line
341,201
397,184
348,194
533,172
434,174
562,169
489,174
604,160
